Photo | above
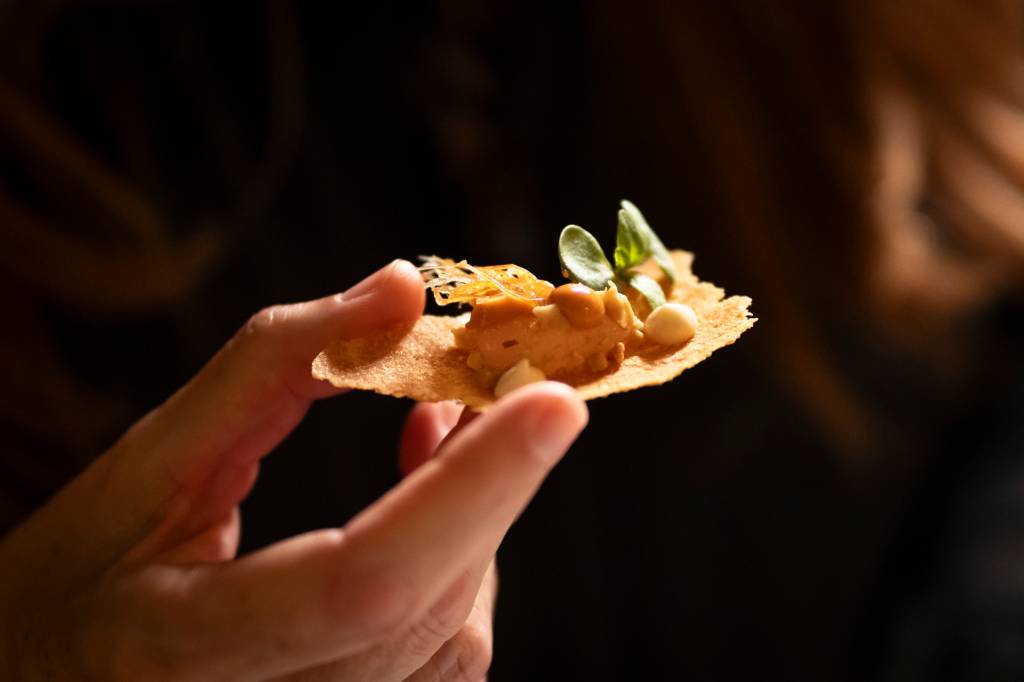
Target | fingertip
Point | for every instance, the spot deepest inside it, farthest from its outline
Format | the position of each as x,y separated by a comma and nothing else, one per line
403,268
448,414
393,295
564,414
425,428
549,414
555,397
405,285
570,399
399,280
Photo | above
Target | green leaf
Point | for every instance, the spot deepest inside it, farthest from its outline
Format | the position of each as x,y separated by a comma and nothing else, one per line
631,247
655,249
650,289
582,258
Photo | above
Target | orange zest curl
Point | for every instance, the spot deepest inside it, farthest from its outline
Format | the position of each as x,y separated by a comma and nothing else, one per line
461,282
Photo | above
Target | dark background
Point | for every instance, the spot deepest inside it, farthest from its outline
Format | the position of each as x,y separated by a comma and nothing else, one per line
706,530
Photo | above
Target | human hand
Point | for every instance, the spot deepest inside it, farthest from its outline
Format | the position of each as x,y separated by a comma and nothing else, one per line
130,571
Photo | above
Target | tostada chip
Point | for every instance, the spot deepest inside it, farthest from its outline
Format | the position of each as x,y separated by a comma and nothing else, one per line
610,328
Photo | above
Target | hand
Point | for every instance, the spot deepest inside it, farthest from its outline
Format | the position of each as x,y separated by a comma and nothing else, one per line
129,573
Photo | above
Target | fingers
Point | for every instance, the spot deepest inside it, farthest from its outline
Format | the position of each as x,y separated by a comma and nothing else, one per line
190,461
426,426
467,655
249,397
217,542
395,659
259,385
327,594
459,505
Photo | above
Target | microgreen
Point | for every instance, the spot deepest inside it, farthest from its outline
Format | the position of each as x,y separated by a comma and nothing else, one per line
653,246
583,260
650,289
630,245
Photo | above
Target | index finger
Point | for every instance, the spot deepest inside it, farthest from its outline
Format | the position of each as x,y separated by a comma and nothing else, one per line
259,385
239,407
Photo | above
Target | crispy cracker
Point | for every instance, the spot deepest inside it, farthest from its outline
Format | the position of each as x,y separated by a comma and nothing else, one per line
422,362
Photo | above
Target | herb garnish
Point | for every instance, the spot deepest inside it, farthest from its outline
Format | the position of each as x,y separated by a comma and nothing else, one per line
583,260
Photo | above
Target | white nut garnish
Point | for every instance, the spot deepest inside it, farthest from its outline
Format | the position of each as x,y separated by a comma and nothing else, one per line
550,314
617,307
516,376
670,324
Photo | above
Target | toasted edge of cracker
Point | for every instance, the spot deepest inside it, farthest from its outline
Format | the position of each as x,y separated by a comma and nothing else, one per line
421,362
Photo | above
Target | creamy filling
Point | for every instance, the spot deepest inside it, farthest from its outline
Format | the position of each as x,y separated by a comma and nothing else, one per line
507,331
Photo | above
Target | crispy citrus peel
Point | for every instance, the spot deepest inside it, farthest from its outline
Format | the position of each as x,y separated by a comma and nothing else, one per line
422,362
461,282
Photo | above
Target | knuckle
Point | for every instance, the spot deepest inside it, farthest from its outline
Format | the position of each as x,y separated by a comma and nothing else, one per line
264,323
109,649
157,646
382,607
473,655
431,631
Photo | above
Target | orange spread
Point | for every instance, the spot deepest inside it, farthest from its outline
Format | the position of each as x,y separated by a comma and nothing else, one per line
497,309
560,331
581,305
502,332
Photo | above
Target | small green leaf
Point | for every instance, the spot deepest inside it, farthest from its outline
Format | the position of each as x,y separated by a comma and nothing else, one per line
630,244
581,256
650,289
655,249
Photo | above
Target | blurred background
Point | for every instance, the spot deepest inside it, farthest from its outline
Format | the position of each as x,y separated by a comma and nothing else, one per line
840,496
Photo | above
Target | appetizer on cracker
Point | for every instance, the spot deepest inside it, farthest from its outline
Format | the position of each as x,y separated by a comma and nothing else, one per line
611,328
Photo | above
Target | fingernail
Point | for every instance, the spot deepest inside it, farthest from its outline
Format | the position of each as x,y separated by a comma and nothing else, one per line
377,280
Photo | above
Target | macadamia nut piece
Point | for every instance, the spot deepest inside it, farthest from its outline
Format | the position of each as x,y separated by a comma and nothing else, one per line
671,324
516,376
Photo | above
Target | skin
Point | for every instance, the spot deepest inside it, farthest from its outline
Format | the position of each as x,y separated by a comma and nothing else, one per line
130,572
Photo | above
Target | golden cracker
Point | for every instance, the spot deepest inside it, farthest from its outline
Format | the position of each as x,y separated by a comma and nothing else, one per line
422,362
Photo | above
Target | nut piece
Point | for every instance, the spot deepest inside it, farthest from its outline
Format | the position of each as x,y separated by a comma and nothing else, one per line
671,324
516,376
580,304
618,353
550,315
490,312
617,307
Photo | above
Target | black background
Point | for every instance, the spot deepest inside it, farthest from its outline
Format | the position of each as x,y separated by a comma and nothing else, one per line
704,530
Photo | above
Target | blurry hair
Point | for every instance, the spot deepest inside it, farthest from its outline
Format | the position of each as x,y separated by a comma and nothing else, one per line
864,160
111,230
99,231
